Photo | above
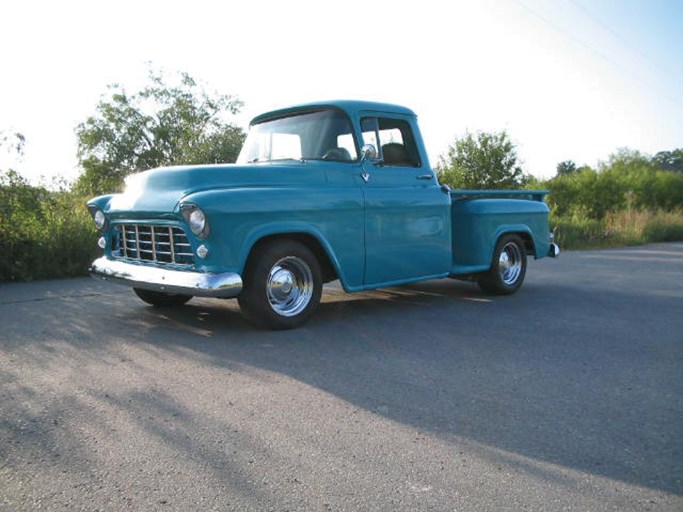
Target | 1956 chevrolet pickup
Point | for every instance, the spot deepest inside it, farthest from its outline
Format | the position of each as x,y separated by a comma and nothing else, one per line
337,190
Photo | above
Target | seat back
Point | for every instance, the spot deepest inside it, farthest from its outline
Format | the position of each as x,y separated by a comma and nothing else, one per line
396,154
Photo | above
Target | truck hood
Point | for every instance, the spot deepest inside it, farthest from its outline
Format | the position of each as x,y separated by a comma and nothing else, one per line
159,191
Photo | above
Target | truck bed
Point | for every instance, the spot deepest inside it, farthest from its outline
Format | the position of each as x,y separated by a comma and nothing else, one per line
480,217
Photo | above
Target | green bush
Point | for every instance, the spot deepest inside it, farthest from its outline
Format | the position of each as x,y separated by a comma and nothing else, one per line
43,233
592,194
629,200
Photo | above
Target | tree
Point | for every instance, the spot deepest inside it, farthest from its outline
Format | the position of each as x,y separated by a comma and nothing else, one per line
160,125
482,160
669,160
626,160
566,167
14,142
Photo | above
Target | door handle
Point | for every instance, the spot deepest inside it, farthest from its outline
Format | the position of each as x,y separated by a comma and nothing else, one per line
425,177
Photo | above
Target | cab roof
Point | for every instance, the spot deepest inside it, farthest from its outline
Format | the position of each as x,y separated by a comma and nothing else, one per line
351,107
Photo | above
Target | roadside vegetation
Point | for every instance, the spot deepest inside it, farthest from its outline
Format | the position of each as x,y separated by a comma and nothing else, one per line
46,230
630,199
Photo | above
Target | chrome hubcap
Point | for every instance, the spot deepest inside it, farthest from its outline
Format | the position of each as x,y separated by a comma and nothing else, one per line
510,263
289,286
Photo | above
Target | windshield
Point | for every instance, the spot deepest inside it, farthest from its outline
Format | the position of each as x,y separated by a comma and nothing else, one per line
321,135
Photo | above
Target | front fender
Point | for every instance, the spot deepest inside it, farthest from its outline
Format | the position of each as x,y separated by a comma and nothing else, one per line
239,218
100,202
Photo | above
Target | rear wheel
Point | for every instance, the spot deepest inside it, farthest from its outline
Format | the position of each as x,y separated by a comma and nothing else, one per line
282,285
161,299
508,267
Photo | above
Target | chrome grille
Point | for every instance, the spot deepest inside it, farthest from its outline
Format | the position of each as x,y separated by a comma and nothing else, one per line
158,244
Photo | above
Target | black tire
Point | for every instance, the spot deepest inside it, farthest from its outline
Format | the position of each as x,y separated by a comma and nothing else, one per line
282,285
161,299
508,267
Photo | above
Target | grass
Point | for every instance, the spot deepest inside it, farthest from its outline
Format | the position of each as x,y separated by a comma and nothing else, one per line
627,227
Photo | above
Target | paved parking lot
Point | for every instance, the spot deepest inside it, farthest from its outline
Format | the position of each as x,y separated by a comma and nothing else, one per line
566,396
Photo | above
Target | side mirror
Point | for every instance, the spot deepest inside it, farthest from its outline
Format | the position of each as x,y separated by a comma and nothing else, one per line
368,152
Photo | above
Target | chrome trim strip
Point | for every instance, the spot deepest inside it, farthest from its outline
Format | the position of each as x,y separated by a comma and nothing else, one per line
125,242
187,282
170,240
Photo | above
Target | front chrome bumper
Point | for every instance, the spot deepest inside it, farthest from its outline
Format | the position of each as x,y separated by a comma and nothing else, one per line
186,282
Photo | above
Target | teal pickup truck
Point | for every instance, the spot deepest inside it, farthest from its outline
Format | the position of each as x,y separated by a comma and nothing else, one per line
324,191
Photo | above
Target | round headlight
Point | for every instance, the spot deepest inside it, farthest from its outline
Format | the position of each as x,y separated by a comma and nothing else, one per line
99,219
197,221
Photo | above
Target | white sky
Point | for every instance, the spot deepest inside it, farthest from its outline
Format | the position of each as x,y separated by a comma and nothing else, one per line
568,79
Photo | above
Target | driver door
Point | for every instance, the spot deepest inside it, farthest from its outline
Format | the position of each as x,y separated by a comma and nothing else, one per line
407,215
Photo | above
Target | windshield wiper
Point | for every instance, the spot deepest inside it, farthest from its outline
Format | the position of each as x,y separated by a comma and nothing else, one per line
302,159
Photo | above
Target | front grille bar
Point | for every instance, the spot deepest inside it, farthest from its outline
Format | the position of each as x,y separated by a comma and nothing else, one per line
147,242
137,240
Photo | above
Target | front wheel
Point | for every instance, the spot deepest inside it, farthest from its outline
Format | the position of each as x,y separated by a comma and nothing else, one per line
508,267
282,285
161,299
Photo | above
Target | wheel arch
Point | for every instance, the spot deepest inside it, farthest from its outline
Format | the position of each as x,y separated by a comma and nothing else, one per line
522,231
313,241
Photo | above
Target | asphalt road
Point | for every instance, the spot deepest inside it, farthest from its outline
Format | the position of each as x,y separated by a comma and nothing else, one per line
566,396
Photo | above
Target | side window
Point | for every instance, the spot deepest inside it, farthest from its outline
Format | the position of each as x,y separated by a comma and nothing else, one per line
394,140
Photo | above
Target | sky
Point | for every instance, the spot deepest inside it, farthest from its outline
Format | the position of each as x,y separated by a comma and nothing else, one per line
567,79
